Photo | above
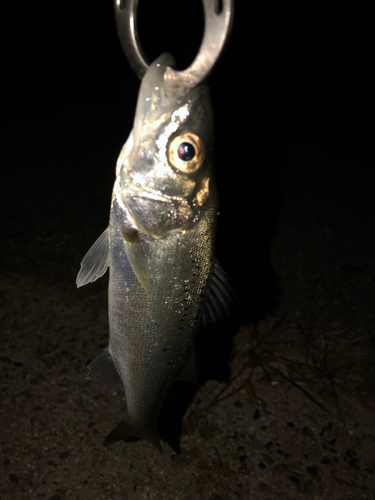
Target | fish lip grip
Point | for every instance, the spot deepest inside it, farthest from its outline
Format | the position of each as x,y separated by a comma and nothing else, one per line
217,27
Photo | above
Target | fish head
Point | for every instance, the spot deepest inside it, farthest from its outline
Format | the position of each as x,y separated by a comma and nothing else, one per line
165,169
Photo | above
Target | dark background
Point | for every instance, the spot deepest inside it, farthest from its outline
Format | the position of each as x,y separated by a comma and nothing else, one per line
290,94
291,103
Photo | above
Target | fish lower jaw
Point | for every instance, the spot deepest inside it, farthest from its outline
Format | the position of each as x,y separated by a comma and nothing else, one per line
150,195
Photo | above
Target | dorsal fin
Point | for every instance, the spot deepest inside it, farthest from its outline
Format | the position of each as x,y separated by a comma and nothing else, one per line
219,295
95,263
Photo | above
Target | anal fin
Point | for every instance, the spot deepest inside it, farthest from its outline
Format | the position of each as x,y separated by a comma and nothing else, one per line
103,370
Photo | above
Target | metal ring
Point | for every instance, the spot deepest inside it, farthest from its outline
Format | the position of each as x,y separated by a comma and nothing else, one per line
216,31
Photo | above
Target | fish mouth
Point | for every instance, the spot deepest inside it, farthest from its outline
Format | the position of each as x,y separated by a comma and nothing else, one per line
155,214
127,192
150,195
130,198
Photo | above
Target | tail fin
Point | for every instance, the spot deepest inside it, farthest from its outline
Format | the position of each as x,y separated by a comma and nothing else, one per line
127,432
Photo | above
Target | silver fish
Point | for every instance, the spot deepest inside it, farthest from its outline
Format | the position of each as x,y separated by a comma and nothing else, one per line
164,280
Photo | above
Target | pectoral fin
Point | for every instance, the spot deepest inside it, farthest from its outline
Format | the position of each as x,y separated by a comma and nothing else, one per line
136,257
94,264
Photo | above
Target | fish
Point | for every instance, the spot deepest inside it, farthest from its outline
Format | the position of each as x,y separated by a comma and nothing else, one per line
164,279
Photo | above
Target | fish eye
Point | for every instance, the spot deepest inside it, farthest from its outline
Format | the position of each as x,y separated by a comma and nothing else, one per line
187,152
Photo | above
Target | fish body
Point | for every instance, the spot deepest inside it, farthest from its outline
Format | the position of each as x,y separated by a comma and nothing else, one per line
159,246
